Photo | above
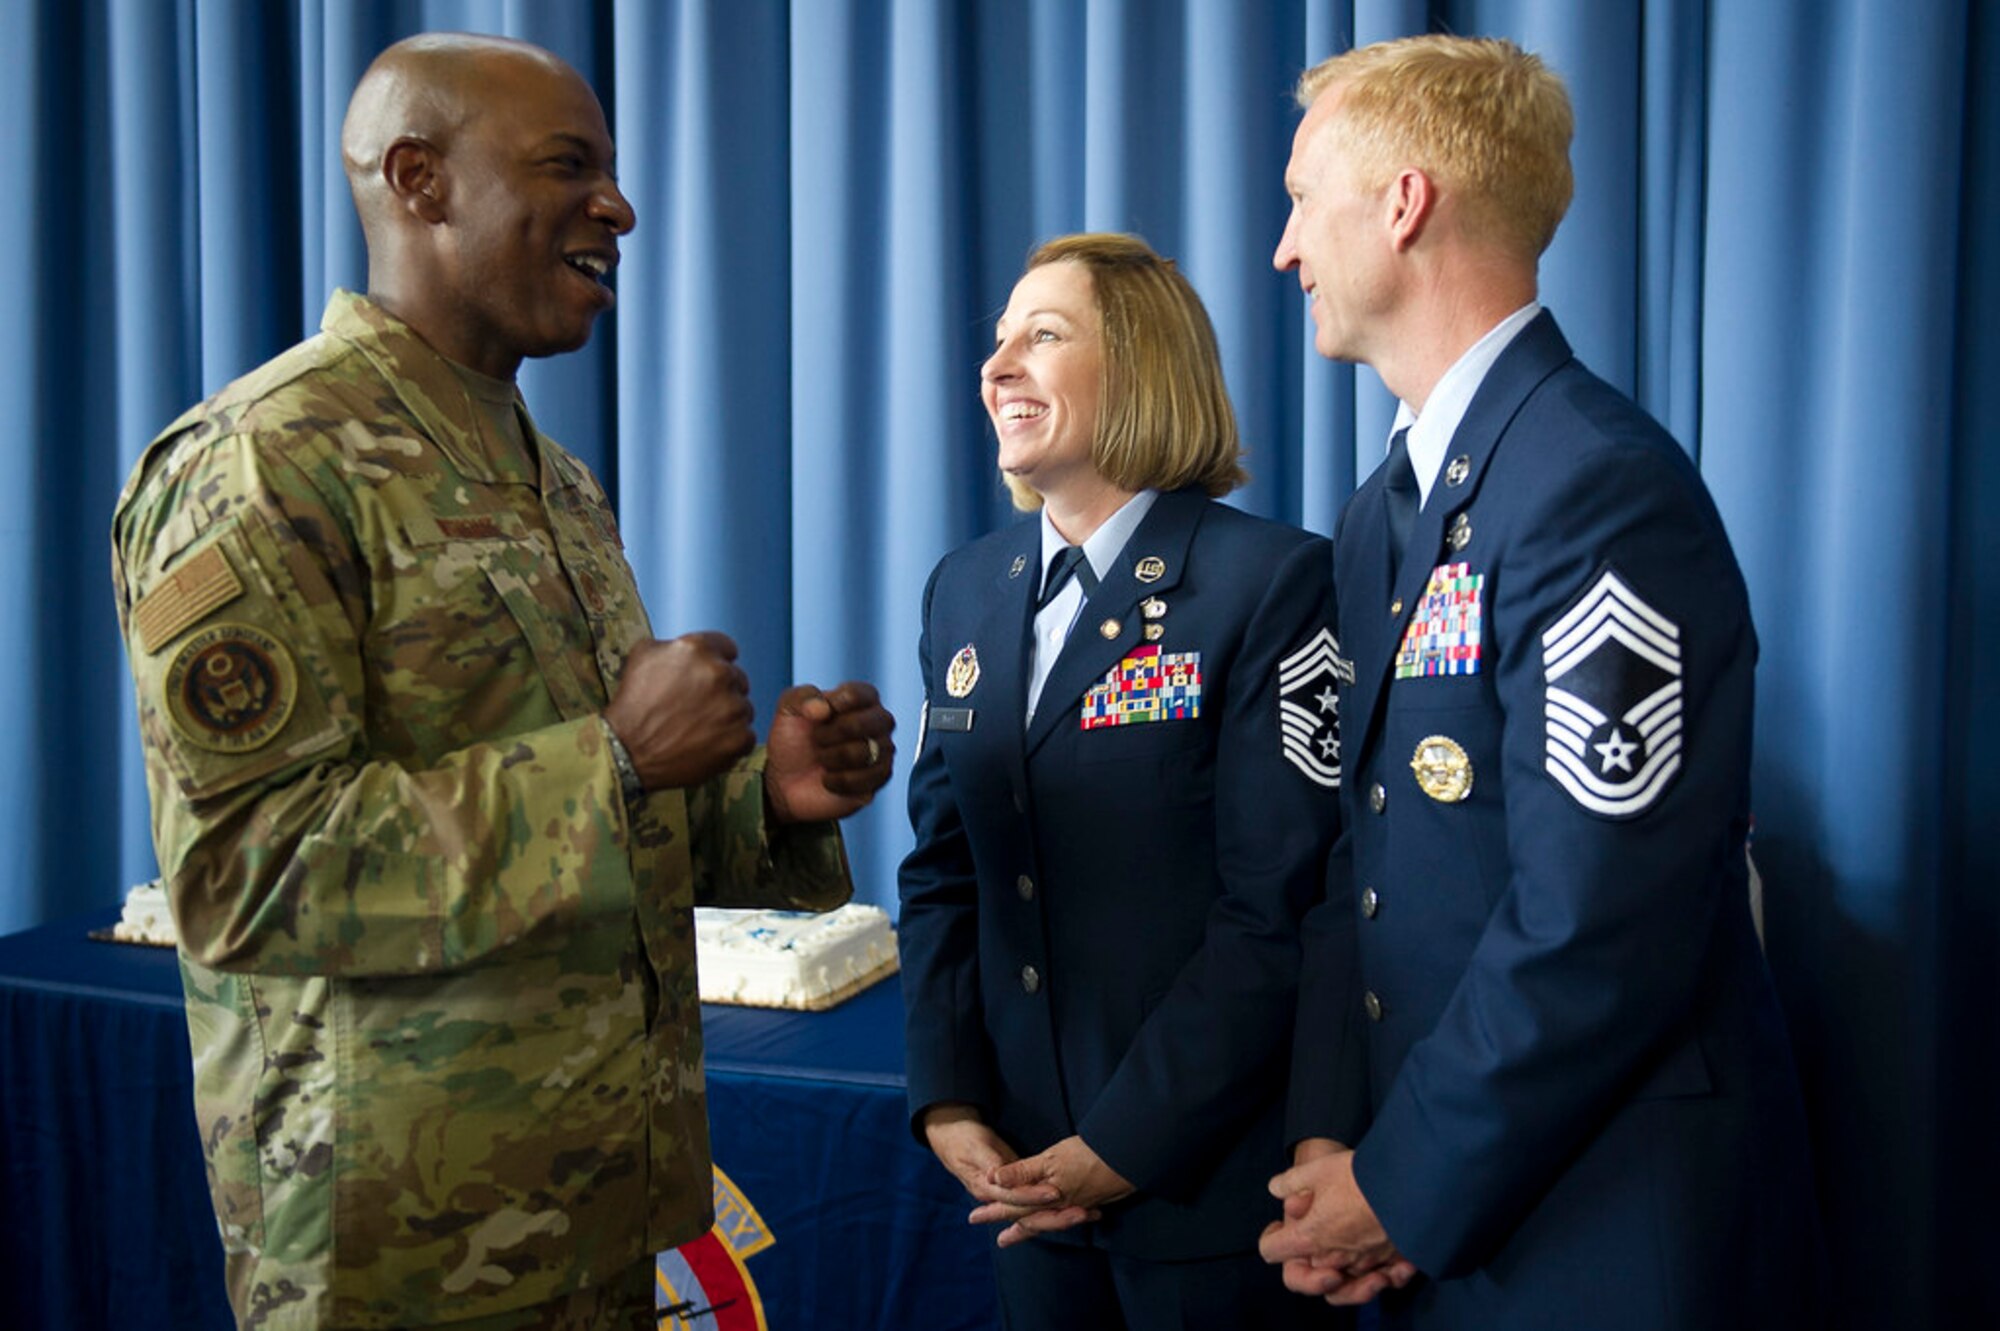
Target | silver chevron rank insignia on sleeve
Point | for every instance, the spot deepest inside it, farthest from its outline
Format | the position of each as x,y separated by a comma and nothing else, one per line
1309,707
1611,668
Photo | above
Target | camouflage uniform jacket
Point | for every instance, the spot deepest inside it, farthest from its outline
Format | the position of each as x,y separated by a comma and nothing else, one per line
440,985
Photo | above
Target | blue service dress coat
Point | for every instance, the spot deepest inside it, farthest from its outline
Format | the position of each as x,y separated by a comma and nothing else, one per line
1099,917
1585,1107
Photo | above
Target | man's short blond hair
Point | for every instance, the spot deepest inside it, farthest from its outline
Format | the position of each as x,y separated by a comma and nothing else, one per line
1164,419
1483,118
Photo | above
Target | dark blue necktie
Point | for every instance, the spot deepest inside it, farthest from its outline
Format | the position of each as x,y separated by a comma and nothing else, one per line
1399,498
1067,563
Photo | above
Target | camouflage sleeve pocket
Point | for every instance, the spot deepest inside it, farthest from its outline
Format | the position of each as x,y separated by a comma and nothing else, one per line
229,688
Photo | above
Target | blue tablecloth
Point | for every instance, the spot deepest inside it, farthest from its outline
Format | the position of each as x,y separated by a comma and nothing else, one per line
106,1214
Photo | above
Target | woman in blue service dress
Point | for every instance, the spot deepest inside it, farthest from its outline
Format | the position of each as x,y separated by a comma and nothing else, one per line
1123,801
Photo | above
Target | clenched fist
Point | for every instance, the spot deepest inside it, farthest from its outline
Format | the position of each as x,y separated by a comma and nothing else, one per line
683,709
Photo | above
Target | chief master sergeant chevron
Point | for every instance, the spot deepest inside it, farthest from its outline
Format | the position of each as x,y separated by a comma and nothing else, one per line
431,803
1585,1110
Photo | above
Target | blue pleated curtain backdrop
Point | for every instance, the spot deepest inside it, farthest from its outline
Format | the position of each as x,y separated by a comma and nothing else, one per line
1781,244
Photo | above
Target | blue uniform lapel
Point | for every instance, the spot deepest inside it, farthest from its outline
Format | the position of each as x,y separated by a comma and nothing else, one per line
1373,634
1164,536
1001,635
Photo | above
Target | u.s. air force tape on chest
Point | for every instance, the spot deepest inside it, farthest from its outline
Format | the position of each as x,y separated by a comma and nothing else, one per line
1309,707
230,688
1611,669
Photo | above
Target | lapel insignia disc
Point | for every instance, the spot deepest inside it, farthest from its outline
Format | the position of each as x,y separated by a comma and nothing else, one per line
1014,569
1443,770
1309,707
1444,632
231,688
1459,468
1614,720
963,672
1150,569
1148,685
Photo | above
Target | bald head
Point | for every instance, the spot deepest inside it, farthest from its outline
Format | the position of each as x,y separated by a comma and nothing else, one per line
429,87
482,169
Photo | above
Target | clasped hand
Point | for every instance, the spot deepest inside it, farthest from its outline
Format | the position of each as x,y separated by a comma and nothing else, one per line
1064,1186
682,710
1330,1242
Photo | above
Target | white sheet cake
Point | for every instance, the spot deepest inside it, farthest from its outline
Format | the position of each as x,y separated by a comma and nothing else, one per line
753,958
791,959
146,917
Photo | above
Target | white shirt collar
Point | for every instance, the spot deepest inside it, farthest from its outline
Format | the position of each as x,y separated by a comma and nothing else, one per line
1430,433
1054,621
1104,544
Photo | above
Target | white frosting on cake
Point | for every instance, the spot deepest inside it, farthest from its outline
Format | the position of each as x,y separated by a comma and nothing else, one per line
791,959
758,958
146,917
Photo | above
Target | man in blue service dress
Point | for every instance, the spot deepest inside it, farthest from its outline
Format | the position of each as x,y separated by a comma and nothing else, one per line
1585,1108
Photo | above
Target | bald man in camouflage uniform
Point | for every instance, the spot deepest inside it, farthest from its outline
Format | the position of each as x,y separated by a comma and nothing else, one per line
431,803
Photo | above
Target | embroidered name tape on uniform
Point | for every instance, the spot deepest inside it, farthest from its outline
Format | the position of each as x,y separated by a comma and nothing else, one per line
1309,707
1148,685
1612,670
1443,636
479,527
200,586
230,688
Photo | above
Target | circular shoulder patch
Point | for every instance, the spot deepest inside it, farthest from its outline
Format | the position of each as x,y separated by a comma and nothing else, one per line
231,688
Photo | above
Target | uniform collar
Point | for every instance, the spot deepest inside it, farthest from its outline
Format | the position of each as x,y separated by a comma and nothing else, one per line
1431,433
427,386
1103,545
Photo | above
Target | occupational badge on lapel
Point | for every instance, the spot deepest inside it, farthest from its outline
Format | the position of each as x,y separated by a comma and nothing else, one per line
1309,707
1014,569
1148,685
963,672
1443,636
1611,668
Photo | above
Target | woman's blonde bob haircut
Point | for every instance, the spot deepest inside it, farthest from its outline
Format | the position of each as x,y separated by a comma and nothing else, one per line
1165,419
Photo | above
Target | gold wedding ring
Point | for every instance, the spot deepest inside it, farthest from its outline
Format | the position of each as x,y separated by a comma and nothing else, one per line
874,751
